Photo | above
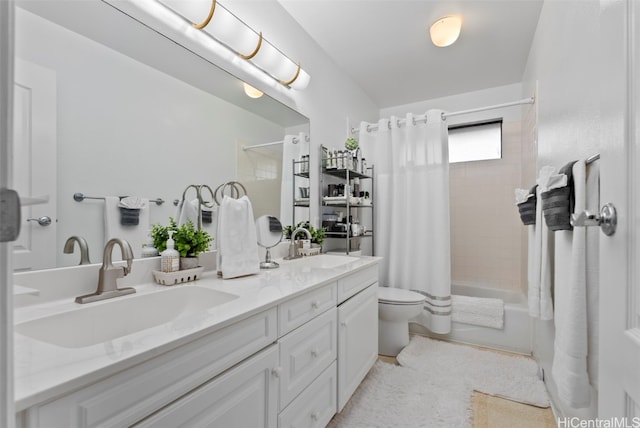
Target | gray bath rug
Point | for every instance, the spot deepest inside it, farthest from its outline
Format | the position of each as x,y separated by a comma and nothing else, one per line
434,385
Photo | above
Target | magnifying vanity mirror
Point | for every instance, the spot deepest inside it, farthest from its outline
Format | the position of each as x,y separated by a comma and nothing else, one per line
269,232
114,108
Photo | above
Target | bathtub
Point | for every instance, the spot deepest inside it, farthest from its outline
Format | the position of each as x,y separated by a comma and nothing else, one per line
515,336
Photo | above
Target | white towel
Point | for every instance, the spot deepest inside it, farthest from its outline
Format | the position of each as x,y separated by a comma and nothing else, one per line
477,311
135,235
570,350
188,210
540,266
237,238
522,195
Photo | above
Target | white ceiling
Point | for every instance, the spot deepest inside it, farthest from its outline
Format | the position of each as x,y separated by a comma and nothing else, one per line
384,44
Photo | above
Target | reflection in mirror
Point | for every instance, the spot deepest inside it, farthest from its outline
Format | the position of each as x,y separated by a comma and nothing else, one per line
280,167
127,112
269,232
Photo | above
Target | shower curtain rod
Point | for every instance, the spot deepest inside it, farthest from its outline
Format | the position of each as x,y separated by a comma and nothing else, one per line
530,100
294,140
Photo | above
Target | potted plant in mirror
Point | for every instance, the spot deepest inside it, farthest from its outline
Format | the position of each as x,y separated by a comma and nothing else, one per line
353,146
189,241
317,235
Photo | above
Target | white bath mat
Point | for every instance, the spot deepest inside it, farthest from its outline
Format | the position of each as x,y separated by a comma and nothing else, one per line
509,376
396,397
437,392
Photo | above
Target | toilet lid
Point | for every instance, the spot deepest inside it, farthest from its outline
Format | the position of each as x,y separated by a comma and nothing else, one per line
398,296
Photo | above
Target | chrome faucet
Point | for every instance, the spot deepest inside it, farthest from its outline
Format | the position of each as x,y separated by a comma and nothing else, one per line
293,246
108,274
84,248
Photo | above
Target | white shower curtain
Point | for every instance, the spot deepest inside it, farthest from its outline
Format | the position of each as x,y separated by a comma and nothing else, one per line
291,151
412,210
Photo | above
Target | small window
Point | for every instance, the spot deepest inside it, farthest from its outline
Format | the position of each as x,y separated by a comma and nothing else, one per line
480,141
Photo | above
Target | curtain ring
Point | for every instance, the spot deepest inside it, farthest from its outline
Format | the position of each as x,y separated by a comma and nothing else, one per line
255,51
208,18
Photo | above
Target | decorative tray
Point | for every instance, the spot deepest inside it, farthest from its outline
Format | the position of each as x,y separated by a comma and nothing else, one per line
173,278
309,251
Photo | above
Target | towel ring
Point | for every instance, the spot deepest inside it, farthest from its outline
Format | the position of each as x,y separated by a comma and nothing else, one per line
234,188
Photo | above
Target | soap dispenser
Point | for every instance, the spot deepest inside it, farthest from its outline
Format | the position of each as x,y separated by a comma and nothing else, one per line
170,257
148,249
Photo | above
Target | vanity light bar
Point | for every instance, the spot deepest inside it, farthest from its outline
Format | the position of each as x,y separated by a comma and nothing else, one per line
230,31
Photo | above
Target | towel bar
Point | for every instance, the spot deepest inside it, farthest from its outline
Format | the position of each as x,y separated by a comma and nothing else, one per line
79,197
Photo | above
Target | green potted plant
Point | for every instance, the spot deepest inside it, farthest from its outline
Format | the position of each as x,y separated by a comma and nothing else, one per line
189,241
317,235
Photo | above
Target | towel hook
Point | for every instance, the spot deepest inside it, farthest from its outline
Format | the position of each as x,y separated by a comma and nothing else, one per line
607,219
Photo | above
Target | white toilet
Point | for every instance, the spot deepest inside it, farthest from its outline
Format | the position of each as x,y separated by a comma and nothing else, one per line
395,308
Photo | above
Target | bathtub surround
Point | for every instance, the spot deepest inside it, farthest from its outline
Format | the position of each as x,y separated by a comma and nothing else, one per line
412,178
437,380
515,336
480,311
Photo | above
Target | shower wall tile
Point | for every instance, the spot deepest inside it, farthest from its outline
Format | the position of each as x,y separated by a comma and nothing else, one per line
487,236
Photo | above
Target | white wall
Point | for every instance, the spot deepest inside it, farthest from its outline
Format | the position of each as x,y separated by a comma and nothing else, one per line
564,62
331,97
127,129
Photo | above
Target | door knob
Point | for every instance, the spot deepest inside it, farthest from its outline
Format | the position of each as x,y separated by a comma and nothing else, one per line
45,220
607,219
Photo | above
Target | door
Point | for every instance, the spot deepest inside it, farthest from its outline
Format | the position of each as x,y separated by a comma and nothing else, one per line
34,165
619,334
6,276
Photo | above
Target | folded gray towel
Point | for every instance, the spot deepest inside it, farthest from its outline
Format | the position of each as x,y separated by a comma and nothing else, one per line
527,208
558,204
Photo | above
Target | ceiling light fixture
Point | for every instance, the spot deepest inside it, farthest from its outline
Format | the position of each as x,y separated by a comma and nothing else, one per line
217,22
251,91
445,31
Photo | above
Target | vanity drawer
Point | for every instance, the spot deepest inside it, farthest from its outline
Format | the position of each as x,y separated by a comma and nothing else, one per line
135,393
241,397
315,406
295,312
305,353
352,284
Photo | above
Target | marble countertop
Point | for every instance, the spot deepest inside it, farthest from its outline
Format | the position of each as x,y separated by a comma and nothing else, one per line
44,371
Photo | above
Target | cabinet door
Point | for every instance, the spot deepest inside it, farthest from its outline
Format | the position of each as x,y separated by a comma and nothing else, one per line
245,396
357,341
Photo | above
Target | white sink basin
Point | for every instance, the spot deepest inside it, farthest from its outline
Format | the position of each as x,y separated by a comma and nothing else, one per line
106,320
324,261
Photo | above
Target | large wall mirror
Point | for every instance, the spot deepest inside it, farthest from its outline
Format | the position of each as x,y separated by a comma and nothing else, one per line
107,107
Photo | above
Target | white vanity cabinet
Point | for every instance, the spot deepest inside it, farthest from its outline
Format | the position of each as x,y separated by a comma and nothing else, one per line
357,330
133,394
291,365
245,396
